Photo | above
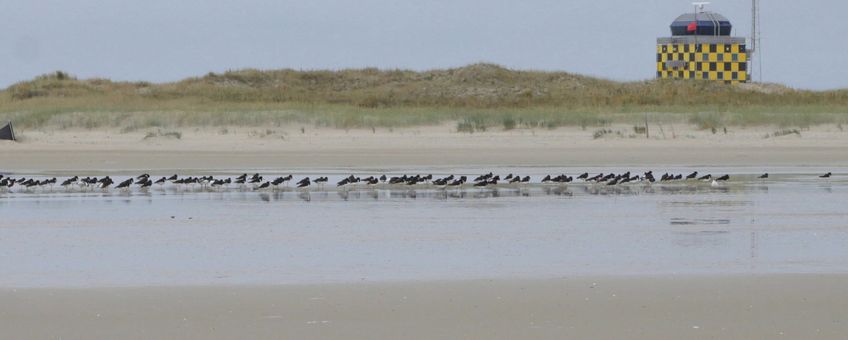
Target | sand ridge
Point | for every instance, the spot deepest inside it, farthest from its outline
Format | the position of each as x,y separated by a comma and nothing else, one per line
291,147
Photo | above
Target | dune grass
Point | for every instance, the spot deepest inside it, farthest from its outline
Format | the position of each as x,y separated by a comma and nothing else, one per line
475,97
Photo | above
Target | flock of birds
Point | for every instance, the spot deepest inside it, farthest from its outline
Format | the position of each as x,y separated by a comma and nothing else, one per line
258,182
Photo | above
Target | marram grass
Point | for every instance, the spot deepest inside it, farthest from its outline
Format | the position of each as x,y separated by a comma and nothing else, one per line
478,96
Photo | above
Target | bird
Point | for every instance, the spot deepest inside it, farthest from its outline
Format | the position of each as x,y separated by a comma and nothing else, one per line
220,182
304,183
705,178
70,181
484,177
105,182
763,176
125,184
723,178
31,183
286,179
263,185
692,175
827,175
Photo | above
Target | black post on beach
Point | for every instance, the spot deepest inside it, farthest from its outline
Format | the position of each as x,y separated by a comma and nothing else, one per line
7,132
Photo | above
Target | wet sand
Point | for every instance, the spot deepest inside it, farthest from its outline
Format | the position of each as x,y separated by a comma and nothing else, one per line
246,148
690,307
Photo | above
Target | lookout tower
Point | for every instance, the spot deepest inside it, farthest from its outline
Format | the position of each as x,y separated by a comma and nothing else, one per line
700,47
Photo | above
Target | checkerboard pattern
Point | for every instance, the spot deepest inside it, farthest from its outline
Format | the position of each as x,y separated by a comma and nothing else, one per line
719,62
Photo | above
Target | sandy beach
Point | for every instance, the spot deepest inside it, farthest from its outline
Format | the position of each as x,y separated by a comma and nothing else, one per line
731,307
289,147
71,274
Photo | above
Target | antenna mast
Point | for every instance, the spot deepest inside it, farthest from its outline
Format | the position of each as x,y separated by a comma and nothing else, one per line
755,38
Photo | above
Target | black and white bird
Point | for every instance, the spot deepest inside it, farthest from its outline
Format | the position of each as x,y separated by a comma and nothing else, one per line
277,181
827,175
255,179
304,183
288,178
105,182
70,181
125,184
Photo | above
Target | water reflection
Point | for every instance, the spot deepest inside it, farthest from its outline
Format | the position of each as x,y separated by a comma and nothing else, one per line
403,233
701,221
431,193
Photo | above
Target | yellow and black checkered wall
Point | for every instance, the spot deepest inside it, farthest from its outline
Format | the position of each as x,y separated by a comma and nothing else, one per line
719,62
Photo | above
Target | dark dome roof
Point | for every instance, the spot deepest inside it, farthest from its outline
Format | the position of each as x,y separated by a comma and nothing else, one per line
705,23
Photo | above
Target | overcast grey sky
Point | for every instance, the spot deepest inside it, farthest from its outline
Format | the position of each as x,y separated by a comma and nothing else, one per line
165,40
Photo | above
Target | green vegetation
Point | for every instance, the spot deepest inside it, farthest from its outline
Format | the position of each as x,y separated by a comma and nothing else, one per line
475,97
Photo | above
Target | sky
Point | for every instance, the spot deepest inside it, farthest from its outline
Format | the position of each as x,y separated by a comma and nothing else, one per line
165,40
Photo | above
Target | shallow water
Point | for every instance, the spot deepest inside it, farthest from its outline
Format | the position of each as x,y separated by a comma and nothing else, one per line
793,222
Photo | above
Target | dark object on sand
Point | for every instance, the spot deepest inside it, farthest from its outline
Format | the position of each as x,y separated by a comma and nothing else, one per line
7,132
